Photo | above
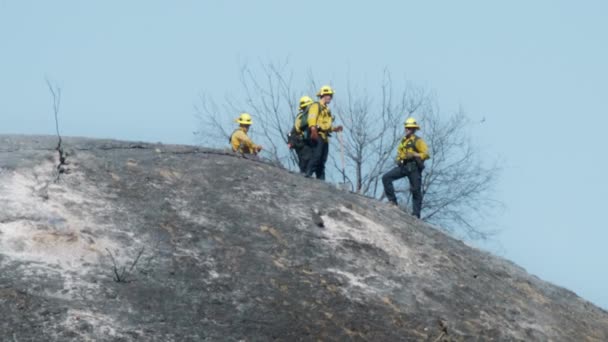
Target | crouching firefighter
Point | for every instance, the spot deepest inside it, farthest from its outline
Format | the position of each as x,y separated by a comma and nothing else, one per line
239,140
411,154
319,128
296,139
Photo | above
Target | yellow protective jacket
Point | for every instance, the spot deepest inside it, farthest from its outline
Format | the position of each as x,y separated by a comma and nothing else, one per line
319,116
408,146
241,143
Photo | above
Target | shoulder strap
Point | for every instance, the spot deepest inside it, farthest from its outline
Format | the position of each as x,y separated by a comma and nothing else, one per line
413,142
297,123
312,104
304,117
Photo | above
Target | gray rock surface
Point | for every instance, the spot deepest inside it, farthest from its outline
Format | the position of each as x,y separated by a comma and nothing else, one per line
215,247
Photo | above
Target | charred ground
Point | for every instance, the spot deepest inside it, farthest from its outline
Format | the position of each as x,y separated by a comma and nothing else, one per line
216,247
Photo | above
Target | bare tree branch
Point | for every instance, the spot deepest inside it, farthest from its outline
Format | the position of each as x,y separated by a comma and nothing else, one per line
56,94
457,185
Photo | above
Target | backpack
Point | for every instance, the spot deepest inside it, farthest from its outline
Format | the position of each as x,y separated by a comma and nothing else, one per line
302,120
295,139
299,132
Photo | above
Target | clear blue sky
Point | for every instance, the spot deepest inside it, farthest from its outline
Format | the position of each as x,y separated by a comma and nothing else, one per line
536,70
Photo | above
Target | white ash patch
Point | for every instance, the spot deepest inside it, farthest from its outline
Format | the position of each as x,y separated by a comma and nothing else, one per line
55,227
349,225
369,284
66,248
75,288
188,253
49,230
179,205
535,326
198,220
94,326
260,194
354,280
361,229
213,271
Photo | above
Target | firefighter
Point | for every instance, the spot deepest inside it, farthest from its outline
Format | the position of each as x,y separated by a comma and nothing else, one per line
411,154
297,138
239,140
320,126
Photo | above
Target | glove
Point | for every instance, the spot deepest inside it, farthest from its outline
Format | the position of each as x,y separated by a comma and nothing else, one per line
337,129
314,135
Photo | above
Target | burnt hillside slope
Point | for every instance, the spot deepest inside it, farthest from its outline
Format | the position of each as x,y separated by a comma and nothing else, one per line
219,248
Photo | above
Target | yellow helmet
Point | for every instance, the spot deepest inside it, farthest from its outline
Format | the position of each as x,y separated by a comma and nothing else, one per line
411,123
305,101
325,90
244,119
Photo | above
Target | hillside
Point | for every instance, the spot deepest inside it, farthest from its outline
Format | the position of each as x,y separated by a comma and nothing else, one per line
219,248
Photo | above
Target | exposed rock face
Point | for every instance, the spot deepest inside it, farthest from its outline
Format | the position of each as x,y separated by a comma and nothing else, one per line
219,248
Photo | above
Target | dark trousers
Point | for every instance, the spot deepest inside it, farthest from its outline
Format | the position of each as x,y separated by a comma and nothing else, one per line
411,171
316,164
304,153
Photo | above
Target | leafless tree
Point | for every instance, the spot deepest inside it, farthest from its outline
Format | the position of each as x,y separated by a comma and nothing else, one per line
373,129
56,94
457,185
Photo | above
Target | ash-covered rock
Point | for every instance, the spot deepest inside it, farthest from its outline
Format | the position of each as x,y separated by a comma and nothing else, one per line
211,246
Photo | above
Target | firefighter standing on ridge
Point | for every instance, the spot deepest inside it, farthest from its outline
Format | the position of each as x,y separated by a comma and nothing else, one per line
411,154
297,137
239,140
320,126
